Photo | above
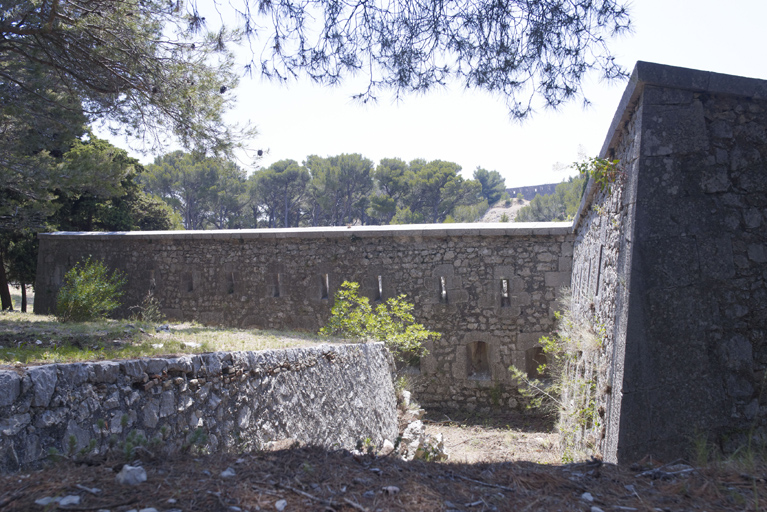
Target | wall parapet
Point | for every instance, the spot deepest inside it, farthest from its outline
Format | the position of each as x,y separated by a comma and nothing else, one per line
486,229
332,396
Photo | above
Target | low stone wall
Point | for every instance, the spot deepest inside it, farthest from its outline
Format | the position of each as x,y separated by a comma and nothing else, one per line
330,395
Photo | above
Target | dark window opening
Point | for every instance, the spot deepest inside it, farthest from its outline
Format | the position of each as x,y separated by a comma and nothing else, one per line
505,293
276,285
324,286
478,364
535,359
188,282
230,283
442,290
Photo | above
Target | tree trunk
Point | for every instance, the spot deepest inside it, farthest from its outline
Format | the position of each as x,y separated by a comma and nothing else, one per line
5,293
23,297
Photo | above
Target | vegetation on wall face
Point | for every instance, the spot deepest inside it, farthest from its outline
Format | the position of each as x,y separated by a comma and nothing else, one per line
604,172
570,389
390,322
563,204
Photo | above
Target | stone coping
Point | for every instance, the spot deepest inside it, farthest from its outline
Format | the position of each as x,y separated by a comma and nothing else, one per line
412,230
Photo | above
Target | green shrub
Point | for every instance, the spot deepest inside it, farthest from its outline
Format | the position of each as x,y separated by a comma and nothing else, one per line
89,292
604,172
390,322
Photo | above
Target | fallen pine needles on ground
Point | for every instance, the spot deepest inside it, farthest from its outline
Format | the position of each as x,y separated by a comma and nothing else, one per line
314,479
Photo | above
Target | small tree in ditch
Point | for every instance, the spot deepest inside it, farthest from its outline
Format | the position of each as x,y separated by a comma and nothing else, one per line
390,322
89,292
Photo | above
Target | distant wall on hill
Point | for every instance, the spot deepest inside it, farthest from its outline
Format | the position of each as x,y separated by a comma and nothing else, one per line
530,192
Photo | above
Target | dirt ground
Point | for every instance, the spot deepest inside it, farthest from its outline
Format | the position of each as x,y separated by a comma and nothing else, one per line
494,214
501,437
496,463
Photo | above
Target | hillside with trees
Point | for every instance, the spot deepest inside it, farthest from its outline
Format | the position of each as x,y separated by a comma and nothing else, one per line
562,205
347,189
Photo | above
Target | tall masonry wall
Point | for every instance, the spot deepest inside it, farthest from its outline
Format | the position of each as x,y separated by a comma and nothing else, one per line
490,289
672,263
330,395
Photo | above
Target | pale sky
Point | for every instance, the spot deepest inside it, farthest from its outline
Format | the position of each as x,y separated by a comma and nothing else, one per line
473,129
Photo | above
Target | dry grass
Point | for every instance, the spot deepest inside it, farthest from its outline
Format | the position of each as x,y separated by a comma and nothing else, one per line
38,339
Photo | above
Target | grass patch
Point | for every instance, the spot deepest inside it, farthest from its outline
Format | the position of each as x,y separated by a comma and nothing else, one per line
40,339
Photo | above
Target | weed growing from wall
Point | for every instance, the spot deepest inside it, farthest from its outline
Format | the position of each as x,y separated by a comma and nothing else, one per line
604,172
89,292
390,322
570,391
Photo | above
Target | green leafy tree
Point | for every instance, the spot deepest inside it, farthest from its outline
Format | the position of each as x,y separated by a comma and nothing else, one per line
436,188
146,68
391,322
405,215
281,189
204,191
116,202
493,184
228,197
391,185
338,189
109,200
355,182
324,191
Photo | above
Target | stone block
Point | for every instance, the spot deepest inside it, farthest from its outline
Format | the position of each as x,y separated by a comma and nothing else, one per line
44,380
674,130
10,387
105,372
557,279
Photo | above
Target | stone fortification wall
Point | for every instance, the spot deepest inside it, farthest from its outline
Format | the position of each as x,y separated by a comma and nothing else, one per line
530,192
669,266
673,263
330,395
489,289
